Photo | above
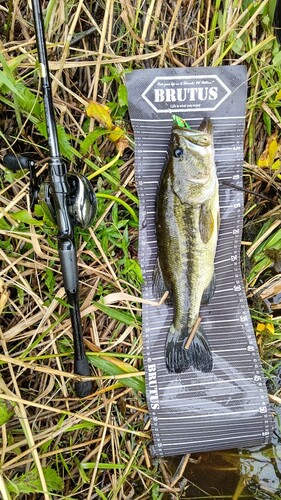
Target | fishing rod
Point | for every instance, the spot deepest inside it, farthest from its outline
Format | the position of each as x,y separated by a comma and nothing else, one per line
71,200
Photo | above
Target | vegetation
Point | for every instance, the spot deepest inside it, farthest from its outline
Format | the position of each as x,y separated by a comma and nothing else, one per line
53,445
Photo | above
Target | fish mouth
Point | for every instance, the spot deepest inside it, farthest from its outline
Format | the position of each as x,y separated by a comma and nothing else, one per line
203,136
187,133
205,127
193,138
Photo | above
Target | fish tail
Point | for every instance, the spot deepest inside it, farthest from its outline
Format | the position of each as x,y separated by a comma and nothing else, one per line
198,354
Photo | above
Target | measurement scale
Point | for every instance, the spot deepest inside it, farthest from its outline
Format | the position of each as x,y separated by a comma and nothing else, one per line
195,411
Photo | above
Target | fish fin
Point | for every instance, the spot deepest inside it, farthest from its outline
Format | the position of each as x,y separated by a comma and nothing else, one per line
209,291
206,223
159,287
206,126
198,355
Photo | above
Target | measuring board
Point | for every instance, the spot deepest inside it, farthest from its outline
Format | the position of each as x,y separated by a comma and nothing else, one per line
228,407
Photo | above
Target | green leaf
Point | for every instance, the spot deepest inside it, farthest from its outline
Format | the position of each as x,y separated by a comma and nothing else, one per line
6,411
263,264
238,47
122,95
66,150
119,200
50,280
4,80
276,61
116,314
267,122
100,493
91,138
28,101
155,493
53,480
43,210
4,225
109,368
24,216
30,482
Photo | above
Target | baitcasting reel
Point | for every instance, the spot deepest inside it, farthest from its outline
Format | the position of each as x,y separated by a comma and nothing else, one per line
81,198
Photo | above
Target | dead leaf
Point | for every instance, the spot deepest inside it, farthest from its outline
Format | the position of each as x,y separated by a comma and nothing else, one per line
122,144
4,295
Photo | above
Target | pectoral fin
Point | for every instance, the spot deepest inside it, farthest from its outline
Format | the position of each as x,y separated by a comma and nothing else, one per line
206,224
159,286
209,291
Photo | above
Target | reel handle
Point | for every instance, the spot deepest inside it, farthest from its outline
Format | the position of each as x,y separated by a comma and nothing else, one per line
17,162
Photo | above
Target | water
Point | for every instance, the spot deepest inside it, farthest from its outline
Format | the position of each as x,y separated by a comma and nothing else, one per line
234,474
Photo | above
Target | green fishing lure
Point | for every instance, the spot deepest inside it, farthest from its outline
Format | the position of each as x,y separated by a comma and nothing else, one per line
179,122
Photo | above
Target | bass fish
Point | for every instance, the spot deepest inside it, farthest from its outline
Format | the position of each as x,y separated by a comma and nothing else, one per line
187,223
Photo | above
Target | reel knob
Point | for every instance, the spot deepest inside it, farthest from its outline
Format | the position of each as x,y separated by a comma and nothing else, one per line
17,162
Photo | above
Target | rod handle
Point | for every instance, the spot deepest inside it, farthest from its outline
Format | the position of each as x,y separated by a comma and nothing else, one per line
82,388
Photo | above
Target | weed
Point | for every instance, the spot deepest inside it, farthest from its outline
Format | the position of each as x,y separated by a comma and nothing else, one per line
53,445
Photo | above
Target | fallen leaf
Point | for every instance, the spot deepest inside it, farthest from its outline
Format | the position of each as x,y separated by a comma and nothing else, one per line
269,155
101,113
265,328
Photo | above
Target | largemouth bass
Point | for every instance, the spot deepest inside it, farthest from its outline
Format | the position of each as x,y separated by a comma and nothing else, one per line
187,222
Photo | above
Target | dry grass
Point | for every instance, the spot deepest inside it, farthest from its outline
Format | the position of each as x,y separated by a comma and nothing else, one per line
99,447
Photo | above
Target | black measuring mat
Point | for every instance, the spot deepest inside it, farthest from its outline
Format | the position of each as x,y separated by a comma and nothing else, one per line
228,407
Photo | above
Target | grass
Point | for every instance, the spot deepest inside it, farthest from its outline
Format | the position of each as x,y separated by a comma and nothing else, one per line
54,445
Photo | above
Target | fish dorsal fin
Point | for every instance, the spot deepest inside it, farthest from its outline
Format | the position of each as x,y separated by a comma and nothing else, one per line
206,223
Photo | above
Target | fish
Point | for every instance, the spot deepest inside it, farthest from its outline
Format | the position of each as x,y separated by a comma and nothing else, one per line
187,225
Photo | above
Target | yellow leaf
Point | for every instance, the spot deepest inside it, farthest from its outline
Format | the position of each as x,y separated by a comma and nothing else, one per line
116,134
265,328
101,113
272,150
270,328
276,164
269,154
278,95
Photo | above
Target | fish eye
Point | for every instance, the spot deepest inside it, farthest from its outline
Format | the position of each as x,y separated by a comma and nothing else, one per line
178,153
